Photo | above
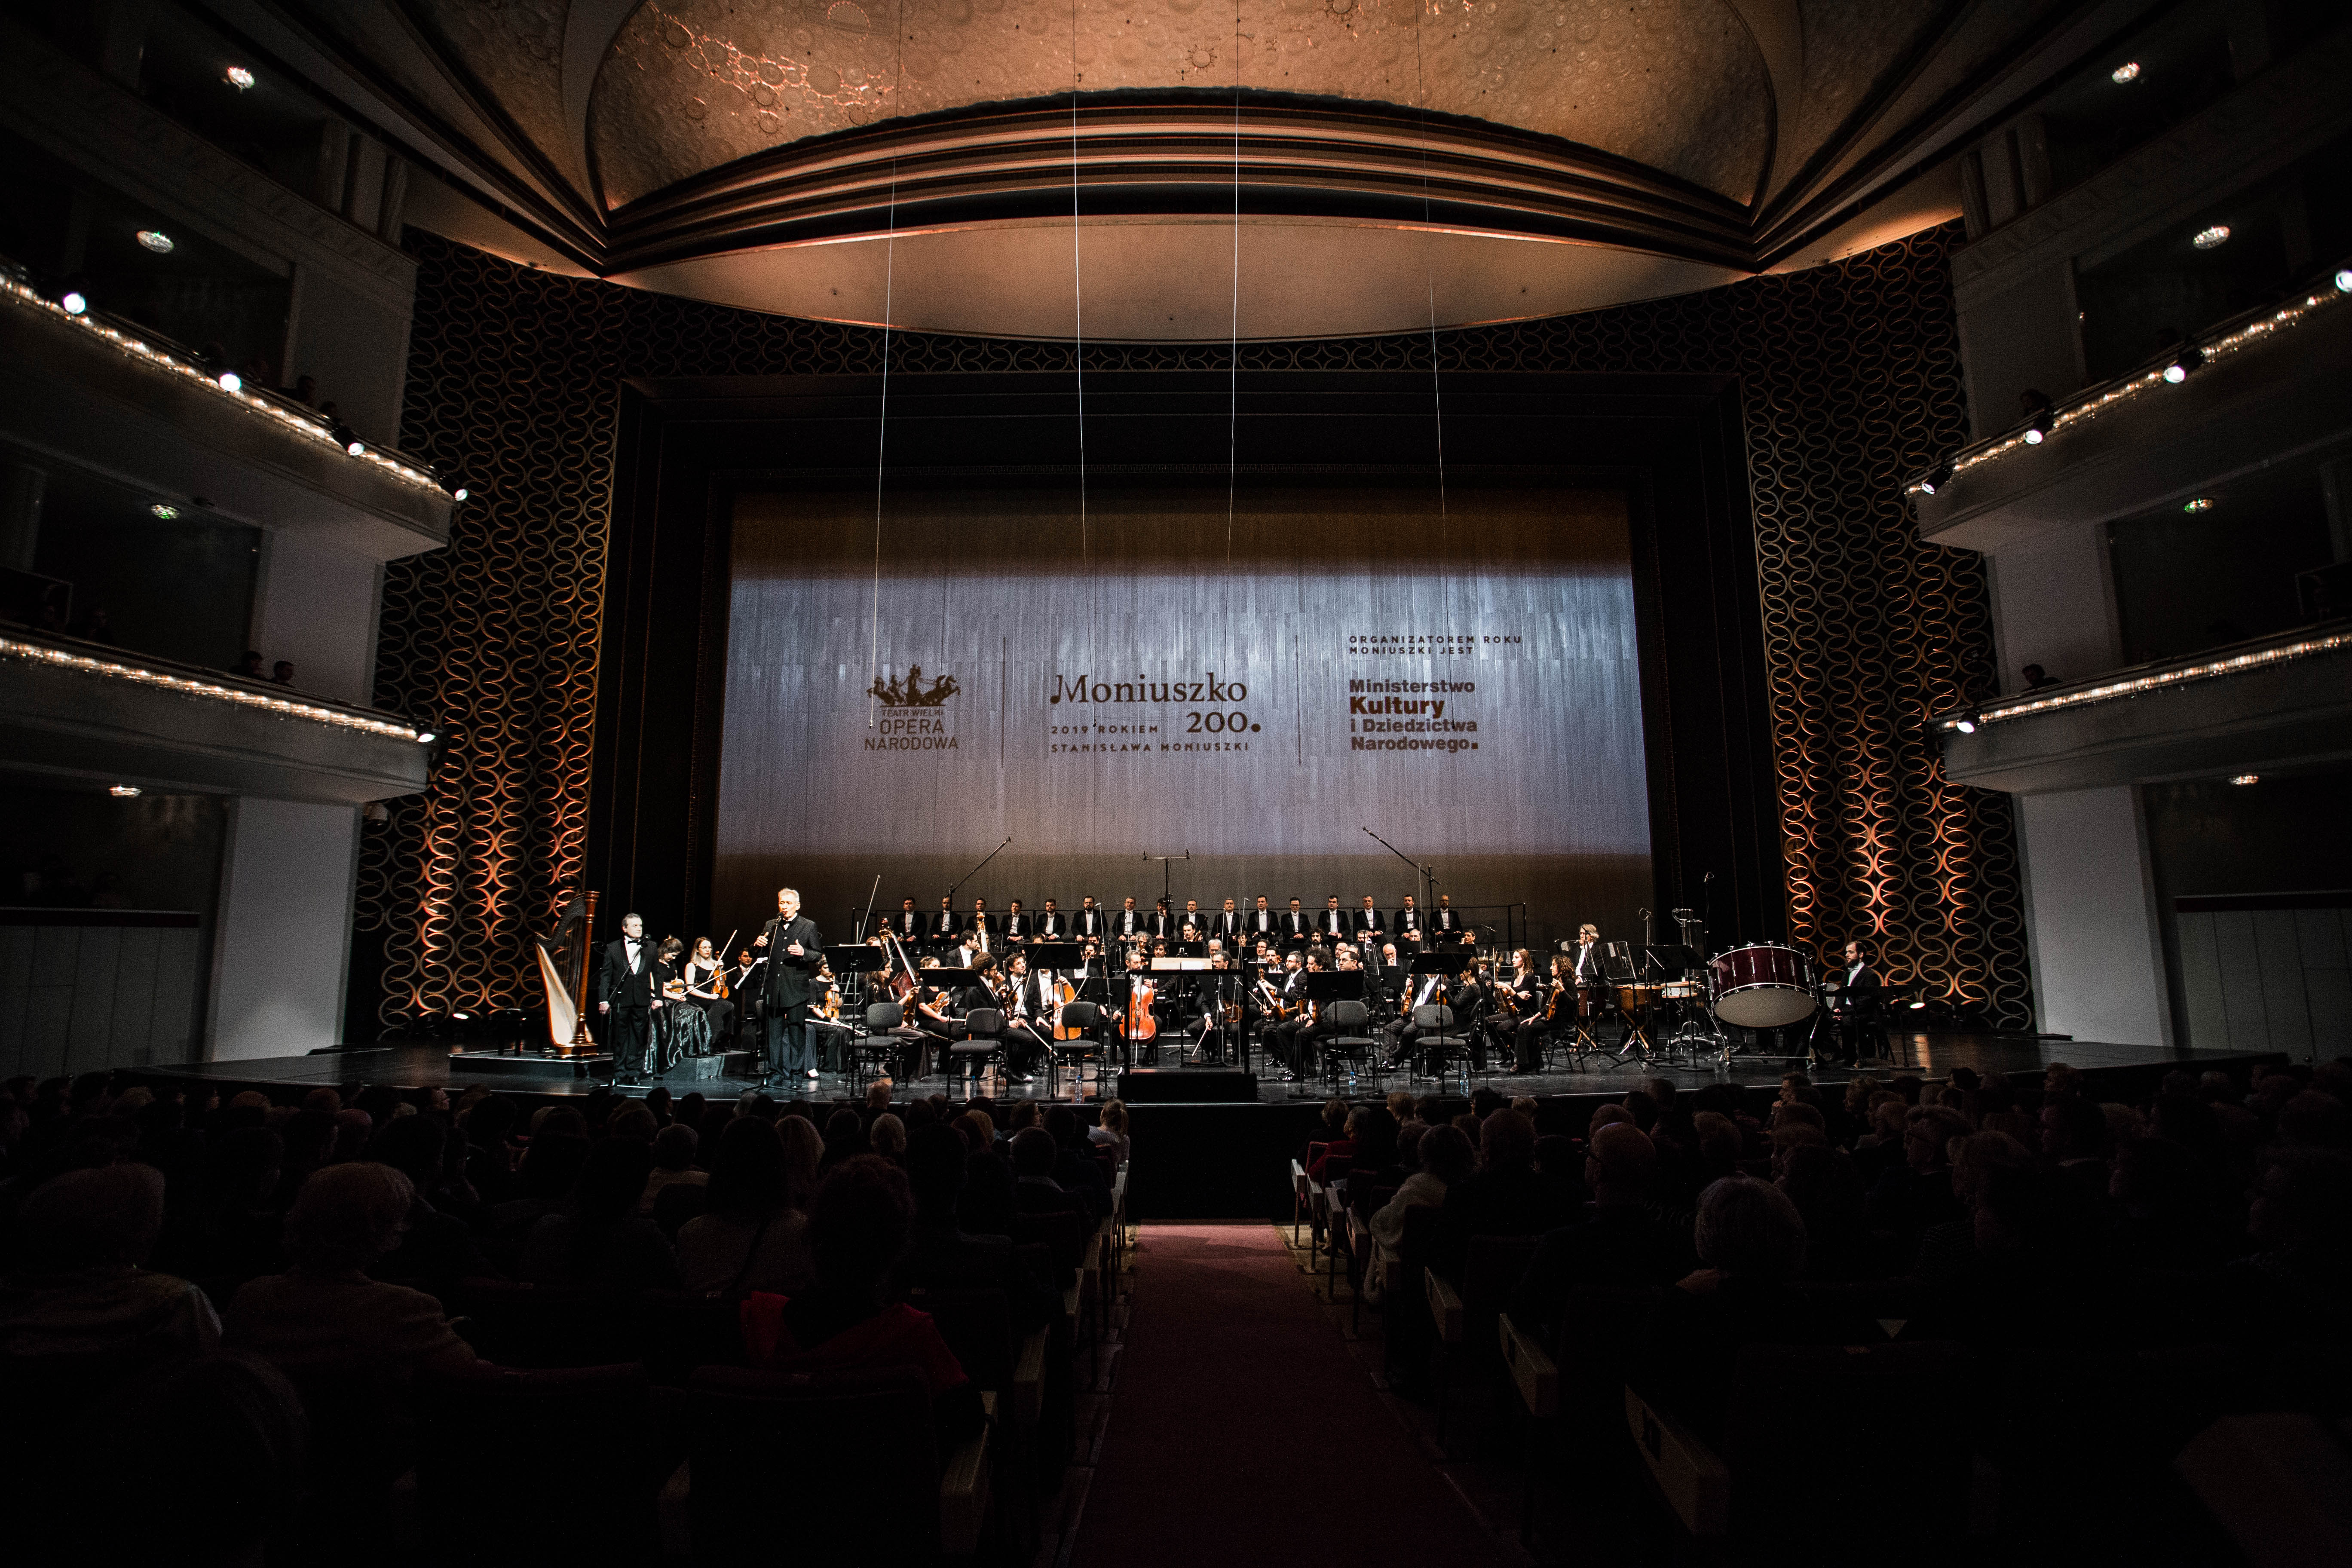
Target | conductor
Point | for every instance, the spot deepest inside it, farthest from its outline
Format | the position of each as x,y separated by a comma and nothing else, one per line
792,946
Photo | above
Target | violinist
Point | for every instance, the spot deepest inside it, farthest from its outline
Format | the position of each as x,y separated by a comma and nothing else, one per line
1287,1041
1226,1007
933,1013
1388,981
1029,1007
707,987
743,982
1519,1017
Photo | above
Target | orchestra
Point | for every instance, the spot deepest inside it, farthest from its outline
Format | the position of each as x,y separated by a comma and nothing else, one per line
1245,983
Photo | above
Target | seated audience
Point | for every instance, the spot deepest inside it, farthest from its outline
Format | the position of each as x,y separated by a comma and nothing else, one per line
78,1286
324,1316
598,1239
753,1233
1504,1196
1621,1244
844,1323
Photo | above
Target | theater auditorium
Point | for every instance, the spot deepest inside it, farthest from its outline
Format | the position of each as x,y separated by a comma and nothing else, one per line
1055,784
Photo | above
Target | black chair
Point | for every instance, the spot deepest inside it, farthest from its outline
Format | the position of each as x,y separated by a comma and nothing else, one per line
984,1043
1435,1022
874,1050
1353,1042
1087,1018
863,1445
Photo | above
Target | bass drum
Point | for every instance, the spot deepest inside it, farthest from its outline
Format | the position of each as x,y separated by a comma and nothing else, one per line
1763,986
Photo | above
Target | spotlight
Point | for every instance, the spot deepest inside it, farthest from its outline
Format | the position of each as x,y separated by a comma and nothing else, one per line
2245,778
231,382
1967,724
458,494
2211,235
123,792
2126,72
427,738
241,79
2038,430
2343,280
356,448
1938,477
156,241
2188,360
162,511
2202,503
74,302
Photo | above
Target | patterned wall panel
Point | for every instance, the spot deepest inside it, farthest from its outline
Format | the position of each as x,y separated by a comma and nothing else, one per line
1850,382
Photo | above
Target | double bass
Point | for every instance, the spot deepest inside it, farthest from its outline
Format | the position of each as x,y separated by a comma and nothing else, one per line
1139,1023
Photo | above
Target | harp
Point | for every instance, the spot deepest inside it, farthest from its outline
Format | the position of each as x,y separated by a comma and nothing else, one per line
563,968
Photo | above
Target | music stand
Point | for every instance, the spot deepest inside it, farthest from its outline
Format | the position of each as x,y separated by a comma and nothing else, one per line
855,959
1063,957
1669,959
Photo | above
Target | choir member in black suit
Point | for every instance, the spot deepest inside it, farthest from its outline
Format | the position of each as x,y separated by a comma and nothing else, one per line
1262,921
1331,925
1126,924
1089,922
1369,923
1297,926
944,926
908,923
1052,925
1406,927
1019,926
1163,922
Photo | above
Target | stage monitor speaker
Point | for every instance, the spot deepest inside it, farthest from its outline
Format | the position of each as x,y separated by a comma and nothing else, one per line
1187,1085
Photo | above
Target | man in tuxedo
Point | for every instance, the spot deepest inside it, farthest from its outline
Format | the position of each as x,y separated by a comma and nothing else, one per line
1290,997
625,995
1090,921
1193,916
1584,966
1296,924
1262,921
1388,980
1444,925
944,925
1858,1002
794,950
1226,922
1052,925
908,923
1406,927
981,921
1163,922
1127,923
1331,925
1370,924
744,981
1018,927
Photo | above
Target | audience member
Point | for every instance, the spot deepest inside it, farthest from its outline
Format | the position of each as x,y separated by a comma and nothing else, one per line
751,1235
81,1287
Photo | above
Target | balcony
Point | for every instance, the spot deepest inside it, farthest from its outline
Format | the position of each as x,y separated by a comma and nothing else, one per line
77,710
2267,705
79,390
2271,388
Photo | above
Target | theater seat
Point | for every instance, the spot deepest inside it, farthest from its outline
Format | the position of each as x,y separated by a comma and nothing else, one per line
520,1465
781,1467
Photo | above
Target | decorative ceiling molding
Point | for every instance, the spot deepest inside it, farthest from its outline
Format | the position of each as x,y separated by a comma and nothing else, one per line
1704,139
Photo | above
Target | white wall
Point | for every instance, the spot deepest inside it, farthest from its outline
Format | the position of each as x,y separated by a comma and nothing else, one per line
2053,606
85,991
315,604
2098,951
283,941
2268,980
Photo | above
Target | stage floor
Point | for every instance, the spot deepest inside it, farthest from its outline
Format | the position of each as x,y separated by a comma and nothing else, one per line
1929,1056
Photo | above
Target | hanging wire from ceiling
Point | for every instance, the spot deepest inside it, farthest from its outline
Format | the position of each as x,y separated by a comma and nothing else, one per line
1077,287
1234,342
1436,385
882,424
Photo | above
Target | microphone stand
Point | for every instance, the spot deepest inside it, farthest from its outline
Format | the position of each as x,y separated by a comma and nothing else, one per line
1424,877
876,893
968,876
1166,871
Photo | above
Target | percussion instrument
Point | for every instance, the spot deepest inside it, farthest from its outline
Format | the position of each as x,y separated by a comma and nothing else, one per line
1681,991
1634,997
1762,986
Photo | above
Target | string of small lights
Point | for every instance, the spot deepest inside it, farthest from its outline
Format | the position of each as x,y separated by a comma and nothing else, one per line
2172,373
224,385
284,707
2150,680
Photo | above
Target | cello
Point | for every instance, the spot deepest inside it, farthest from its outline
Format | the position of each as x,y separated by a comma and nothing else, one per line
1139,1023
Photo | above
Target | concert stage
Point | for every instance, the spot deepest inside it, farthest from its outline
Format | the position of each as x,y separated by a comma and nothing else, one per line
1201,1156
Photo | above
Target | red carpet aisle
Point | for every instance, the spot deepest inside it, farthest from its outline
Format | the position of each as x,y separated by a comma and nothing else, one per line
1243,1431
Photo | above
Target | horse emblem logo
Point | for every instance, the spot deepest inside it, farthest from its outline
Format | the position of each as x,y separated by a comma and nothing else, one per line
913,693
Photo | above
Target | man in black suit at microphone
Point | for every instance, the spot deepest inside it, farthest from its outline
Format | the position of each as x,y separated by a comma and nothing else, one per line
625,995
793,950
